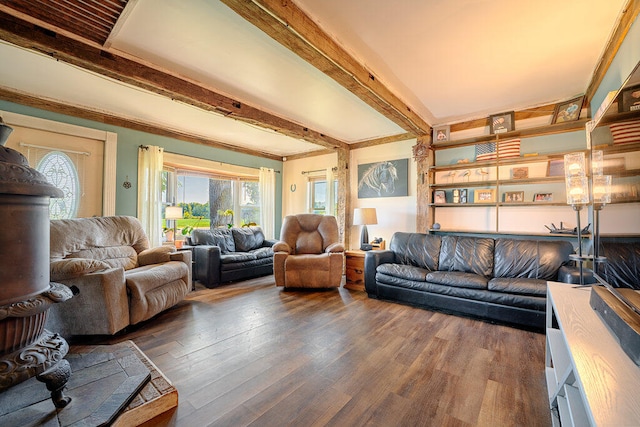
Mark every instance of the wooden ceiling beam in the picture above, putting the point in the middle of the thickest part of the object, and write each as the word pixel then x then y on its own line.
pixel 110 119
pixel 382 140
pixel 290 26
pixel 67 49
pixel 627 18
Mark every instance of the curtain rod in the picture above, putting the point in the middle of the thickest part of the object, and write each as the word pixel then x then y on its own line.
pixel 333 169
pixel 209 160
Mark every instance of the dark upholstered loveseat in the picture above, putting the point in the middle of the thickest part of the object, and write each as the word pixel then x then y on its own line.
pixel 500 279
pixel 621 268
pixel 226 255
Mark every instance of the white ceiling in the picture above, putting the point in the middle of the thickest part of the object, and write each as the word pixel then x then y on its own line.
pixel 449 60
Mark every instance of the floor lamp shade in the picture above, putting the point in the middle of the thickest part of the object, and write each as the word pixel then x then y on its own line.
pixel 364 217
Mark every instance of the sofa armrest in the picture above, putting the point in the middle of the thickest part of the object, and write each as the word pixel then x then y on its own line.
pixel 372 259
pixel 281 247
pixel 99 306
pixel 207 265
pixel 184 256
pixel 571 274
pixel 334 247
pixel 156 255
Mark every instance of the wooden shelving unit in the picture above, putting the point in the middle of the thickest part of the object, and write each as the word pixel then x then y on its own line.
pixel 496 170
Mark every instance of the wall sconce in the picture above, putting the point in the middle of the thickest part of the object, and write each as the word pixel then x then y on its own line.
pixel 364 217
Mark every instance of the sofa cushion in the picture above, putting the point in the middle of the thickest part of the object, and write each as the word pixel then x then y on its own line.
pixel 247 238
pixel 467 255
pixel 408 272
pixel 420 250
pixel 622 268
pixel 458 279
pixel 535 287
pixel 115 256
pixel 532 259
pixel 264 252
pixel 65 269
pixel 221 237
pixel 232 257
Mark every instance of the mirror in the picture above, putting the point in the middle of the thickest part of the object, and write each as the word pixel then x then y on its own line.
pixel 615 133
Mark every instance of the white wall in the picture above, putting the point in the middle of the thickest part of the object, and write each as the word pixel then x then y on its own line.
pixel 394 213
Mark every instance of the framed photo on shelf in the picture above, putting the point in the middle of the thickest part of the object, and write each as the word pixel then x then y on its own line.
pixel 629 100
pixel 456 196
pixel 543 197
pixel 441 133
pixel 484 195
pixel 568 111
pixel 501 123
pixel 439 196
pixel 463 195
pixel 520 173
pixel 513 196
pixel 556 168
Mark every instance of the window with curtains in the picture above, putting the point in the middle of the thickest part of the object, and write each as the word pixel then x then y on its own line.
pixel 219 201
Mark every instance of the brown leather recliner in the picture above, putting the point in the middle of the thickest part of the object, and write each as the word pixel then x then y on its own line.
pixel 308 254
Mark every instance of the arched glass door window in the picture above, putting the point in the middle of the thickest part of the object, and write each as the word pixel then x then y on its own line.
pixel 60 171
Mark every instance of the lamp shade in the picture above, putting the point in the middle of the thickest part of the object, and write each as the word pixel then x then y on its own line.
pixel 602 189
pixel 364 216
pixel 575 176
pixel 173 212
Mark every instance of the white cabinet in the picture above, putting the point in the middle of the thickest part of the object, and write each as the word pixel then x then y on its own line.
pixel 590 380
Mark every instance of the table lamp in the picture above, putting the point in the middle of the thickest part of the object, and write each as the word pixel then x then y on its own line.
pixel 364 217
pixel 173 213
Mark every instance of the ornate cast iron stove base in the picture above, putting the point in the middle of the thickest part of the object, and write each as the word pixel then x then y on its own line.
pixel 38 352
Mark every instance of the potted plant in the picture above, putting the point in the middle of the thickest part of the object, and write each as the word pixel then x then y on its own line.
pixel 227 214
pixel 188 229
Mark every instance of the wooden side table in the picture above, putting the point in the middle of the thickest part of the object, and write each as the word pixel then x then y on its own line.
pixel 354 270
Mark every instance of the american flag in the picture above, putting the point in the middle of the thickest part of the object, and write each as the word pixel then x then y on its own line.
pixel 508 149
pixel 625 132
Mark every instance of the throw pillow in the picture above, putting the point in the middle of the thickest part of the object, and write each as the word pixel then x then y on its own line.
pixel 244 238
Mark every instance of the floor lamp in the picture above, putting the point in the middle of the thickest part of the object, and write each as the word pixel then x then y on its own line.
pixel 364 217
pixel 577 188
pixel 173 213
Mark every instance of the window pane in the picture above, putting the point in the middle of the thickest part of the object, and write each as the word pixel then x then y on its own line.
pixel 60 171
pixel 220 200
pixel 250 203
pixel 319 197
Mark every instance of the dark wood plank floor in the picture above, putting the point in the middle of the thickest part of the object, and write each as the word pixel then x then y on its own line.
pixel 252 354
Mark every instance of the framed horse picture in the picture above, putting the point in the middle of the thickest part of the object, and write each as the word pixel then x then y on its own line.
pixel 389 178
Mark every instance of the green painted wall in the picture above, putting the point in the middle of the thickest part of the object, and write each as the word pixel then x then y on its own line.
pixel 621 67
pixel 127 157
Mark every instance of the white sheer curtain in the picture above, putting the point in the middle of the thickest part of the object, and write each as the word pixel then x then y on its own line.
pixel 331 203
pixel 267 201
pixel 150 192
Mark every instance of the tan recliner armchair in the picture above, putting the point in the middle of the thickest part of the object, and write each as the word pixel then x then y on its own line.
pixel 308 254
pixel 116 278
